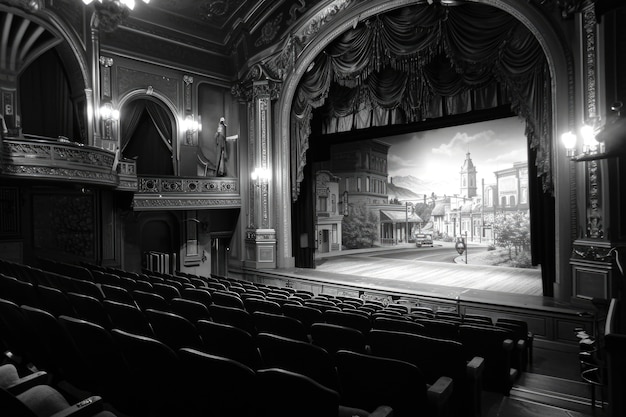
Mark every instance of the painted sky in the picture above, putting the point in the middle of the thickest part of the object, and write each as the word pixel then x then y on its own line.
pixel 436 156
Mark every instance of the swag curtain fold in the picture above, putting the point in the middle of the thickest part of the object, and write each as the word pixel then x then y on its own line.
pixel 426 61
pixel 132 115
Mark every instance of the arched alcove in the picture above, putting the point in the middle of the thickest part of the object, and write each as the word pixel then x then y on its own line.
pixel 148 135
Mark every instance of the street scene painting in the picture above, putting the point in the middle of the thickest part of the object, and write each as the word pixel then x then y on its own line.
pixel 431 161
pixel 464 185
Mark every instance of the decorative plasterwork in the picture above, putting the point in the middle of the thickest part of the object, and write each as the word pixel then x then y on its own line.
pixel 183 203
pixel 593 253
pixel 26 152
pixel 594 215
pixel 64 174
pixel 129 79
pixel 183 185
pixel 246 89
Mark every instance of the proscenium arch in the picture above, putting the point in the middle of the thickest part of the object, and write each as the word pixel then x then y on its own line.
pixel 559 60
pixel 155 96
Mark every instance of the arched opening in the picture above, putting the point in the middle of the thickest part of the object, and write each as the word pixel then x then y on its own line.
pixel 146 131
pixel 348 92
pixel 43 83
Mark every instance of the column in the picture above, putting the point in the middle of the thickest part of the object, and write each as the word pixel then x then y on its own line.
pixel 260 240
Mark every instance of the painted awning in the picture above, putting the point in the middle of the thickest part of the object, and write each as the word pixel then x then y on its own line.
pixel 389 216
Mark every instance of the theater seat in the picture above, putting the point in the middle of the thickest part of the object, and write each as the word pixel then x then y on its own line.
pixel 297 356
pixel 29 396
pixel 283 393
pixel 366 381
pixel 436 358
pixel 215 386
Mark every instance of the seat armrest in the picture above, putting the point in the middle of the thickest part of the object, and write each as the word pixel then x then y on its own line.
pixel 85 408
pixel 382 411
pixel 507 345
pixel 28 381
pixel 439 394
pixel 475 368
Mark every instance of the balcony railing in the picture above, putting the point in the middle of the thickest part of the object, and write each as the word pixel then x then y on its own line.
pixel 187 193
pixel 37 157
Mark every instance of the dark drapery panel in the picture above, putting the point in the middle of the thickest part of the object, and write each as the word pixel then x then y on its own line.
pixel 131 113
pixel 303 219
pixel 426 61
pixel 542 224
pixel 152 155
pixel 45 100
pixel 146 130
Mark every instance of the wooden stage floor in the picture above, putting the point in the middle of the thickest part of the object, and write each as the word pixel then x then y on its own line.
pixel 450 281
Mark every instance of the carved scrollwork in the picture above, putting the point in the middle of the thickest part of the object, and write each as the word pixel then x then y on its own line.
pixel 247 89
pixel 592 253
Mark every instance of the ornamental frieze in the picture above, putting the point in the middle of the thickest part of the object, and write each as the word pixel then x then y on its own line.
pixel 593 253
pixel 32 150
pixel 184 203
pixel 70 153
pixel 83 157
pixel 182 185
pixel 60 173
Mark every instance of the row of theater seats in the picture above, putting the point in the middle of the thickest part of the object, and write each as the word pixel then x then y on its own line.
pixel 239 320
pixel 30 395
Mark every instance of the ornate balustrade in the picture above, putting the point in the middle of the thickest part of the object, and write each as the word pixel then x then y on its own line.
pixel 50 159
pixel 186 193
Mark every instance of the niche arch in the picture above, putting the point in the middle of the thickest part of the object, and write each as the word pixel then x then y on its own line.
pixel 150 133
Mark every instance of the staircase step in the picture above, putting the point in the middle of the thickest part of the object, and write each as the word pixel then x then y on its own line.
pixel 556 392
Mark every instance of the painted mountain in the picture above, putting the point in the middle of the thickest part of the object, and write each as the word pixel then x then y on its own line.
pixel 402 192
pixel 415 187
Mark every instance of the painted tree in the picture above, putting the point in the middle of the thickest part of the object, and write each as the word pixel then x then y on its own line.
pixel 360 228
pixel 512 231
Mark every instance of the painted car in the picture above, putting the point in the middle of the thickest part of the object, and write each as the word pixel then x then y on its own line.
pixel 422 239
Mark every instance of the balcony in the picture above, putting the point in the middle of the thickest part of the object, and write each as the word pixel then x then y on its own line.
pixel 38 158
pixel 186 193
pixel 41 158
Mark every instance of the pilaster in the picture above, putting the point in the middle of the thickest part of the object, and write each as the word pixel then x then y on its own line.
pixel 593 263
pixel 260 239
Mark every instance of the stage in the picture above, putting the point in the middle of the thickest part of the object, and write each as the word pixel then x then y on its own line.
pixel 467 289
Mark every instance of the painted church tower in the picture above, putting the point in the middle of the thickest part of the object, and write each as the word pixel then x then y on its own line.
pixel 468 177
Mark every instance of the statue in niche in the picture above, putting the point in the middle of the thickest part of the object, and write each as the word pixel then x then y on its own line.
pixel 221 153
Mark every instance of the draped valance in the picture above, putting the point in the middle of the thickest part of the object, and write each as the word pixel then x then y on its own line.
pixel 421 62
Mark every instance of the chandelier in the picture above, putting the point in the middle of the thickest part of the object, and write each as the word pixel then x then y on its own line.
pixel 110 13
pixel 130 4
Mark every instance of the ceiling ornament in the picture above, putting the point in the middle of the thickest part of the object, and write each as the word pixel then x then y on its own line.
pixel 269 31
pixel 218 11
pixel 28 5
pixel 214 9
pixel 111 13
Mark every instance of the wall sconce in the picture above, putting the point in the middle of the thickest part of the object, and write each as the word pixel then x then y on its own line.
pixel 107 112
pixel 598 143
pixel 192 125
pixel 260 175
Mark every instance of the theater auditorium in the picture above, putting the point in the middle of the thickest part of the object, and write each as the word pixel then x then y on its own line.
pixel 179 180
